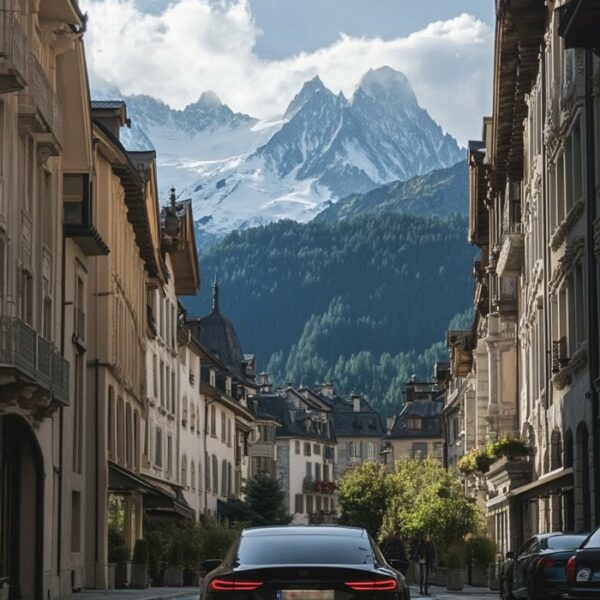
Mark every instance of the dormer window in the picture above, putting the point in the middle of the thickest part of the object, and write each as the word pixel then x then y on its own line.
pixel 413 423
pixel 228 386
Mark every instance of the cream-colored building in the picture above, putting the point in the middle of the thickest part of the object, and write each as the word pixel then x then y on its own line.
pixel 127 217
pixel 46 164
pixel 534 207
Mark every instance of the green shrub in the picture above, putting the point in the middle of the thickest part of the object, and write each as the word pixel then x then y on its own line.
pixel 176 553
pixel 140 552
pixel 216 540
pixel 455 555
pixel 117 549
pixel 481 550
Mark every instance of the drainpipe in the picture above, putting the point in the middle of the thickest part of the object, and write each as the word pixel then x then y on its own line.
pixel 593 349
pixel 61 413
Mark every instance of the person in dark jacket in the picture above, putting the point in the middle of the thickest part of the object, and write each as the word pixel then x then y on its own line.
pixel 425 557
pixel 394 551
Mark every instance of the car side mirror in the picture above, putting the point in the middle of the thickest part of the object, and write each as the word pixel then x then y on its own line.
pixel 211 564
pixel 511 555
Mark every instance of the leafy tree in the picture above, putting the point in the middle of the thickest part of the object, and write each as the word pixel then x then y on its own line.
pixel 266 501
pixel 364 494
pixel 430 498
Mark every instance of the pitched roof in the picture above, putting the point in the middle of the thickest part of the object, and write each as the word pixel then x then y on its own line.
pixel 428 410
pixel 294 422
pixel 350 423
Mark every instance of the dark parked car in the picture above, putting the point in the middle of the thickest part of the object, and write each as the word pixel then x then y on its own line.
pixel 303 563
pixel 583 570
pixel 538 570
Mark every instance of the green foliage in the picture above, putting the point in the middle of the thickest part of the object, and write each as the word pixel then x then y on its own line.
pixel 481 550
pixel 117 549
pixel 479 459
pixel 140 552
pixel 216 540
pixel 364 493
pixel 357 303
pixel 429 498
pixel 455 555
pixel 191 543
pixel 266 500
pixel 176 552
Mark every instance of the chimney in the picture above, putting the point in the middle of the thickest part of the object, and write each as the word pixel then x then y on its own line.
pixel 355 402
pixel 410 390
pixel 265 383
pixel 328 390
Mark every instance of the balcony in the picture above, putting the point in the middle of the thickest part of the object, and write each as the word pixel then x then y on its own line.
pixel 504 301
pixel 30 369
pixel 40 112
pixel 512 252
pixel 78 215
pixel 579 24
pixel 13 53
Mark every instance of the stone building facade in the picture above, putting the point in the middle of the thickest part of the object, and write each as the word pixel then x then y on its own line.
pixel 533 348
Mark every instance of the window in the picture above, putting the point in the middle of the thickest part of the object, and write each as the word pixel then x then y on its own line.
pixel 128 437
pixel 158 448
pixel 306 448
pixel 78 403
pixel 318 503
pixel 297 446
pixel 120 430
pixel 419 450
pixel 229 432
pixel 215 480
pixel 213 420
pixel 299 504
pixel 136 440
pixel 372 450
pixel 317 449
pixel 223 426
pixel 173 393
pixel 309 504
pixel 325 472
pixel 169 454
pixel 193 477
pixel 413 423
pixel 207 472
pixel 224 478
pixel 26 306
pixel 184 481
pixel 309 469
pixel 318 471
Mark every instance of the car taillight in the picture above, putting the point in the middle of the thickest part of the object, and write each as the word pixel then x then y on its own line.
pixel 379 585
pixel 571 570
pixel 545 563
pixel 233 585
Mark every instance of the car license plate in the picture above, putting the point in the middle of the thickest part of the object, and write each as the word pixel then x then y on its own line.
pixel 596 576
pixel 306 595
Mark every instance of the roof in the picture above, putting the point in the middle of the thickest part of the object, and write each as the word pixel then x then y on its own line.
pixel 350 423
pixel 428 410
pixel 304 530
pixel 294 422
pixel 107 104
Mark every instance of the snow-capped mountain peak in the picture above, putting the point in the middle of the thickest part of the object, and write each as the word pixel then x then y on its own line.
pixel 241 172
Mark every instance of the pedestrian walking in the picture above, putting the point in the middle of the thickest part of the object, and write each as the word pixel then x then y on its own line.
pixel 425 557
pixel 394 551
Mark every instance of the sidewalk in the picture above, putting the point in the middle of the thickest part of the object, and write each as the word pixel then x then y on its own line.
pixel 441 593
pixel 147 594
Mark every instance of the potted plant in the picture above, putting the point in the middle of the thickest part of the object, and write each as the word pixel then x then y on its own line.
pixel 192 551
pixel 455 562
pixel 174 572
pixel 481 552
pixel 139 568
pixel 118 555
pixel 440 572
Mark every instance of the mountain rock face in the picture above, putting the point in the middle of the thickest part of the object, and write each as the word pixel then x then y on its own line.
pixel 241 172
pixel 441 192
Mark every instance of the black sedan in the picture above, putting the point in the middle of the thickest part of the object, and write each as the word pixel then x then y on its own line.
pixel 583 570
pixel 303 563
pixel 538 570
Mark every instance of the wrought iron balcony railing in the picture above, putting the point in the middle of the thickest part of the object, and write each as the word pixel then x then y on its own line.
pixel 13 53
pixel 28 359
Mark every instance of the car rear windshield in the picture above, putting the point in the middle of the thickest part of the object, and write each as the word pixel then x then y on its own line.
pixel 305 549
pixel 564 542
pixel 594 541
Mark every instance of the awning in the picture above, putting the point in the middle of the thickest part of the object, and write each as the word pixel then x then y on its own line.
pixel 556 481
pixel 159 499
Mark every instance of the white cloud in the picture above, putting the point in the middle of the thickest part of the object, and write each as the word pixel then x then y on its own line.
pixel 198 45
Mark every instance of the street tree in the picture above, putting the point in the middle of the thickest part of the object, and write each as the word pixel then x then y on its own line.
pixel 265 501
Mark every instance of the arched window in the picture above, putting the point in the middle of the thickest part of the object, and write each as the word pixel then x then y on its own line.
pixel 555 450
pixel 184 471
pixel 568 449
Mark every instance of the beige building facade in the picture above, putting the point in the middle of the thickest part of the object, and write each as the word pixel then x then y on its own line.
pixel 533 347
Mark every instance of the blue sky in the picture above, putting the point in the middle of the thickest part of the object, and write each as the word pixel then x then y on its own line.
pixel 256 54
